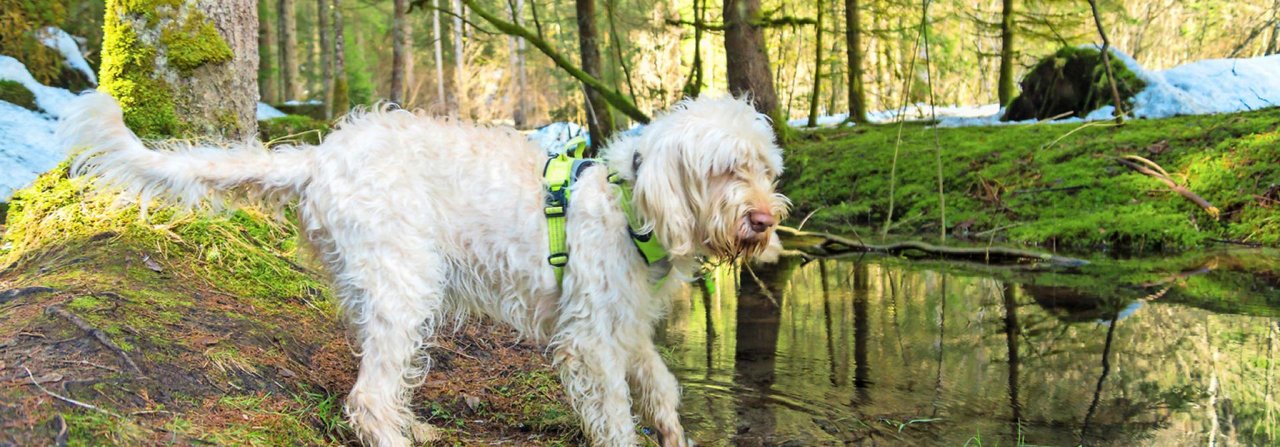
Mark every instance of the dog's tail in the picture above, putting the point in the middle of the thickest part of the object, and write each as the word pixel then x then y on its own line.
pixel 184 173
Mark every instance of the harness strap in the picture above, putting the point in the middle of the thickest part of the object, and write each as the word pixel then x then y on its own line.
pixel 560 172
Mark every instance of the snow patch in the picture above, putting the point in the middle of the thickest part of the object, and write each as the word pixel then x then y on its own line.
pixel 1197 88
pixel 50 99
pixel 552 137
pixel 26 148
pixel 27 144
pixel 266 112
pixel 59 40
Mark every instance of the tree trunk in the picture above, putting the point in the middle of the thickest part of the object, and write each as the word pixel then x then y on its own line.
pixel 268 87
pixel 693 86
pixel 399 52
pixel 183 71
pixel 460 99
pixel 517 45
pixel 599 119
pixel 1005 89
pixel 341 94
pixel 290 88
pixel 817 69
pixel 853 50
pixel 326 56
pixel 746 60
pixel 1273 45
pixel 439 53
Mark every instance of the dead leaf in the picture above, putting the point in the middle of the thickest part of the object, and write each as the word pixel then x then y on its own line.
pixel 50 377
pixel 472 401
pixel 151 263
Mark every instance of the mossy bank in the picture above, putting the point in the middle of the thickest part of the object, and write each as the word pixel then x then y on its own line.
pixel 1058 186
pixel 214 330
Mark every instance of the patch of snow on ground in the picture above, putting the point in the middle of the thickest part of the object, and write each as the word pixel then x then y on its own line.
pixel 49 99
pixel 26 148
pixel 58 39
pixel 975 114
pixel 27 144
pixel 266 112
pixel 552 137
pixel 1196 88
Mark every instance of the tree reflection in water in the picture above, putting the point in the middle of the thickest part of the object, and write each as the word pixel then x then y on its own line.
pixel 839 357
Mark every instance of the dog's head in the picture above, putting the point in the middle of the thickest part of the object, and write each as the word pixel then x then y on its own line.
pixel 704 176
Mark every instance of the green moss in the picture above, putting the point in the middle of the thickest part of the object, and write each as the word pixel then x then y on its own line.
pixel 129 70
pixel 193 43
pixel 13 92
pixel 91 428
pixel 21 20
pixel 1034 184
pixel 292 128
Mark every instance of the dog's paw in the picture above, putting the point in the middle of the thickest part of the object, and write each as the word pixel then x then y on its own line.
pixel 424 433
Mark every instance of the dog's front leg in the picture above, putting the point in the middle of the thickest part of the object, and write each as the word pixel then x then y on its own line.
pixel 658 391
pixel 594 377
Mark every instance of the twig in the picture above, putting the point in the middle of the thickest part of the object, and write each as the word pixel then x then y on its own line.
pixel 95 332
pixel 64 398
pixel 807 216
pixel 763 288
pixel 1195 198
pixel 833 244
pixel 85 362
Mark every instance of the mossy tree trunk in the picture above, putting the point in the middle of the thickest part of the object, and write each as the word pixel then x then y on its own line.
pixel 1005 89
pixel 183 67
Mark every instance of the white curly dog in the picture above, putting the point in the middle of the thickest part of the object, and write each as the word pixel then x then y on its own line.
pixel 421 220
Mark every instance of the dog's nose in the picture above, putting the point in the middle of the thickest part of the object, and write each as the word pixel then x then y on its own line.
pixel 761 221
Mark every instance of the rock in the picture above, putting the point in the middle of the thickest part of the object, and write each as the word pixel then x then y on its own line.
pixel 1070 82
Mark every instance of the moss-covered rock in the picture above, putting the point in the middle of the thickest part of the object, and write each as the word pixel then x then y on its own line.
pixel 292 128
pixel 13 92
pixel 1072 81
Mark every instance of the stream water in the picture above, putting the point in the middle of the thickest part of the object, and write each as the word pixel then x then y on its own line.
pixel 886 352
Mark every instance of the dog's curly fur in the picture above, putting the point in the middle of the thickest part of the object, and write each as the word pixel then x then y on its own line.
pixel 422 219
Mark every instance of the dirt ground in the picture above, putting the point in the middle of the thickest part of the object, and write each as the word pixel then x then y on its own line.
pixel 105 342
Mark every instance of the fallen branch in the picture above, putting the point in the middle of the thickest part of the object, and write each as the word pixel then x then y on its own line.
pixel 835 245
pixel 64 398
pixel 1136 163
pixel 95 332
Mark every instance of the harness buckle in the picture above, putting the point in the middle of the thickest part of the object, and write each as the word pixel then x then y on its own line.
pixel 558 259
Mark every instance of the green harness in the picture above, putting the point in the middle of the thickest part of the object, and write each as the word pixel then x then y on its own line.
pixel 560 172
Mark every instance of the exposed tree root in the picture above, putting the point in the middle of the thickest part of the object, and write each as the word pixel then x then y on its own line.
pixel 95 332
pixel 1154 170
pixel 64 398
pixel 832 245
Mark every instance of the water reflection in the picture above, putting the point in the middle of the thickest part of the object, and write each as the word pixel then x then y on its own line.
pixel 879 353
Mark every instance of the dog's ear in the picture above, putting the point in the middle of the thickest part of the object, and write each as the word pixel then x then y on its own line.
pixel 661 195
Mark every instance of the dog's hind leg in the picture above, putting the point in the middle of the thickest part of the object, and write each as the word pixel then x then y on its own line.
pixel 657 390
pixel 594 376
pixel 400 305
